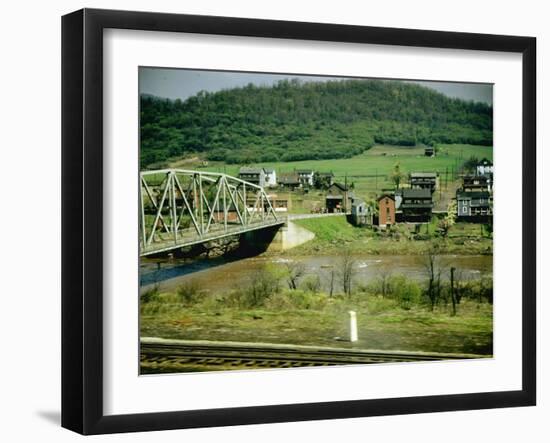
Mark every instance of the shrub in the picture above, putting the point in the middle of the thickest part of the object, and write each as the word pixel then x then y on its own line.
pixel 405 291
pixel 188 292
pixel 264 282
pixel 311 283
pixel 149 295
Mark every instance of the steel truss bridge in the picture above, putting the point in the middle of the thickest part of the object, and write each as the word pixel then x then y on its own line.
pixel 180 208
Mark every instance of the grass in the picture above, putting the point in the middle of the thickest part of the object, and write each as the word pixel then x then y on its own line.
pixel 378 160
pixel 333 233
pixel 382 324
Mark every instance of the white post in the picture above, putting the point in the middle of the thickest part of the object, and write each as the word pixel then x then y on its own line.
pixel 352 326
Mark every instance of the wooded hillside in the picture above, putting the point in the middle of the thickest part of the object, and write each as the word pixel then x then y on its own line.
pixel 296 120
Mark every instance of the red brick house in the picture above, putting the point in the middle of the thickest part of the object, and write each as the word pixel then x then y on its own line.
pixel 386 210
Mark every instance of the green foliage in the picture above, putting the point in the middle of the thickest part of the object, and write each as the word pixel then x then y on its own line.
pixel 406 291
pixel 396 175
pixel 311 283
pixel 447 222
pixel 295 121
pixel 471 164
pixel 263 284
pixel 188 292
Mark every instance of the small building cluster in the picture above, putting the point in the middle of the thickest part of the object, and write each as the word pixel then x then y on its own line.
pixel 300 178
pixel 410 204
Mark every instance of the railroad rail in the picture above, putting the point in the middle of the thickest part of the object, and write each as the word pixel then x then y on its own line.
pixel 164 356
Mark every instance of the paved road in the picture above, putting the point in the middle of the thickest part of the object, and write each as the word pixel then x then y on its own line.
pixel 303 216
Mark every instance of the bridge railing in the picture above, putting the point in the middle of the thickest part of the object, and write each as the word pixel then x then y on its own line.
pixel 180 206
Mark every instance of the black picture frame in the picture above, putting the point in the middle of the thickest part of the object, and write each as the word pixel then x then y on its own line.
pixel 82 218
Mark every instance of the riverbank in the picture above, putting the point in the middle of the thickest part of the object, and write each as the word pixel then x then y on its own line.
pixel 333 234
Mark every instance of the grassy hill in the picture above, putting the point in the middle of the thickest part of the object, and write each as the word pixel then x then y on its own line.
pixel 295 121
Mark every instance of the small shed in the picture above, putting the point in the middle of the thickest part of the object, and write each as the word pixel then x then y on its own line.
pixel 339 198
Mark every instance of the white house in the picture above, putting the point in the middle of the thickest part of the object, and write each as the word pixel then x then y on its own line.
pixel 270 177
pixel 484 167
pixel 305 176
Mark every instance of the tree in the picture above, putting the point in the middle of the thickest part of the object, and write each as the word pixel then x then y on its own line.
pixel 453 294
pixel 446 223
pixel 397 176
pixel 294 270
pixel 347 271
pixel 384 277
pixel 432 268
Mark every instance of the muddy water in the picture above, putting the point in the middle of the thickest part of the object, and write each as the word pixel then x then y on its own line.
pixel 223 274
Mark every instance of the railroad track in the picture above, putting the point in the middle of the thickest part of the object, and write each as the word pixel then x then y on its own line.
pixel 183 356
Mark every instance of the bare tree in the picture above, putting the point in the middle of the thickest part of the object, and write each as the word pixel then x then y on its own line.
pixel 459 286
pixel 384 277
pixel 294 270
pixel 432 269
pixel 453 293
pixel 330 279
pixel 347 271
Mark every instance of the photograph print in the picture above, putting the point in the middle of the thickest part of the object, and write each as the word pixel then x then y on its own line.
pixel 291 221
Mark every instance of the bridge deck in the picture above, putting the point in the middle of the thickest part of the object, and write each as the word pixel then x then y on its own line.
pixel 215 233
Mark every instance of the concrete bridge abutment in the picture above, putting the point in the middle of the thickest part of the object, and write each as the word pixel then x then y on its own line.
pixel 278 239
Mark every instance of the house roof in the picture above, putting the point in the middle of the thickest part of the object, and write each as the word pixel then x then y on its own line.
pixel 485 162
pixel 417 193
pixel 386 196
pixel 250 170
pixel 340 186
pixel 470 178
pixel 288 179
pixel 475 194
pixel 416 205
pixel 304 171
pixel 326 174
pixel 423 174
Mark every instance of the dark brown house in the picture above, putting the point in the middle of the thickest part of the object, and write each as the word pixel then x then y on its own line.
pixel 289 181
pixel 386 210
pixel 423 180
pixel 476 183
pixel 416 205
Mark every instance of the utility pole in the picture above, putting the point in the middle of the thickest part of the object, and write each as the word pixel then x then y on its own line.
pixel 346 192
pixel 453 299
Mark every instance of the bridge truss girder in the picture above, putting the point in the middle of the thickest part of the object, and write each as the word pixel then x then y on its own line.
pixel 178 205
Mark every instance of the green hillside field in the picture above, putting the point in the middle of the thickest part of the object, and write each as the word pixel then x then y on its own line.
pixel 379 160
